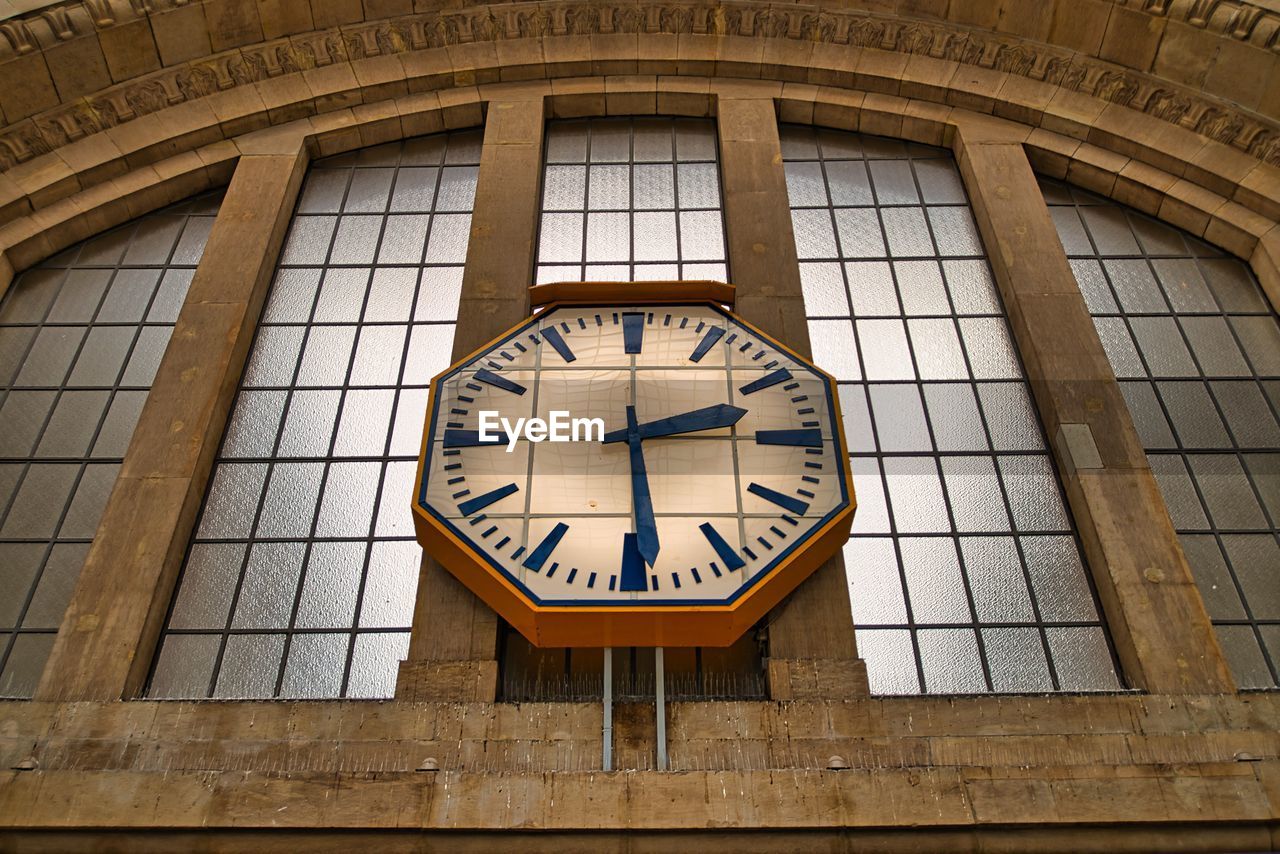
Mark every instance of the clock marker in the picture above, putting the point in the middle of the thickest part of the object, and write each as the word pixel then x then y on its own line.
pixel 786 502
pixel 480 502
pixel 633 574
pixel 793 438
pixel 553 337
pixel 539 555
pixel 466 439
pixel 632 331
pixel 708 341
pixel 488 377
pixel 723 550
pixel 779 376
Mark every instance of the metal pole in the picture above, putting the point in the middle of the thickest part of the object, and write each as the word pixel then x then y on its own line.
pixel 660 704
pixel 608 708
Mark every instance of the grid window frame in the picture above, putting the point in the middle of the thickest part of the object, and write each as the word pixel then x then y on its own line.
pixel 357 305
pixel 694 145
pixel 115 299
pixel 881 184
pixel 1179 401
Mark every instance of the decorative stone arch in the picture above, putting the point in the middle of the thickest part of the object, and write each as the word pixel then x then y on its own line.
pixel 1198 184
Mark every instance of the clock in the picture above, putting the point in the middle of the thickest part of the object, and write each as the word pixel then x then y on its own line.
pixel 663 474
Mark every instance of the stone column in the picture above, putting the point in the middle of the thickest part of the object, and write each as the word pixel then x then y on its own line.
pixel 454 645
pixel 112 624
pixel 1162 634
pixel 812 653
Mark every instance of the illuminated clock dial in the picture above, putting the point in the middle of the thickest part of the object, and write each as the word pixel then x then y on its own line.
pixel 700 459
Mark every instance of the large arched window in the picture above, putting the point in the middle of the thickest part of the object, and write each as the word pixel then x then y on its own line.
pixel 302 573
pixel 965 571
pixel 1196 348
pixel 81 336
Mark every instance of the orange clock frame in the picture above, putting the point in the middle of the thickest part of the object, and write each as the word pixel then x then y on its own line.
pixel 633 625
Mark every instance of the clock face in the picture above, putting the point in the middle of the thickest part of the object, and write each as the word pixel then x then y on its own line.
pixel 701 458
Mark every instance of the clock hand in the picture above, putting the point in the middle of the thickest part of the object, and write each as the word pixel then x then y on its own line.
pixel 641 499
pixel 708 418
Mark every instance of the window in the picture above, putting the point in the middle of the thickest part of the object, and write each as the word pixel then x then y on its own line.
pixel 302 573
pixel 631 199
pixel 81 336
pixel 965 571
pixel 1196 348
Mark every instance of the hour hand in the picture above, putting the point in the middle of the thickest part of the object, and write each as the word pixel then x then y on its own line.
pixel 708 418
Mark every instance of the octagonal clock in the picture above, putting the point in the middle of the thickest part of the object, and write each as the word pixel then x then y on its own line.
pixel 638 474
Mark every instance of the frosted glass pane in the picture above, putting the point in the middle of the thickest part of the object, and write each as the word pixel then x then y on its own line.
pixel 207 587
pixel 995 577
pixel 609 188
pixel 890 662
pixel 701 236
pixel 814 233
pixel 564 188
pixel 860 234
pixel 315 665
pixel 823 289
pixel 1017 660
pixel 884 350
pixel 953 411
pixel 375 664
pixel 900 419
pixel 805 184
pixel 331 585
pixel 875 587
pixel 932 569
pixel 1057 574
pixel 972 486
pixel 951 661
pixel 270 582
pixel 341 296
pixel 915 494
pixel 936 345
pixel 1081 658
pixel 834 349
pixel 391 585
pixel 250 665
pixel 906 232
pixel 871 289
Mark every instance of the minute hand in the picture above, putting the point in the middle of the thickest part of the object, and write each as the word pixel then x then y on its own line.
pixel 708 418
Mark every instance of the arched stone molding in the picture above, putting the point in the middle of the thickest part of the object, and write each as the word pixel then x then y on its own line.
pixel 1201 191
pixel 64 51
pixel 155 114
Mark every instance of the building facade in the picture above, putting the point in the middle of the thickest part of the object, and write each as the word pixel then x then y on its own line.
pixel 1034 244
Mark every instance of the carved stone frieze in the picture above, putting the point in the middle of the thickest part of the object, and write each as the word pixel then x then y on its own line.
pixel 199 78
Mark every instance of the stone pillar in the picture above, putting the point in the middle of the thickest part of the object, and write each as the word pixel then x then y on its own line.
pixel 112 624
pixel 1162 634
pixel 812 652
pixel 454 645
